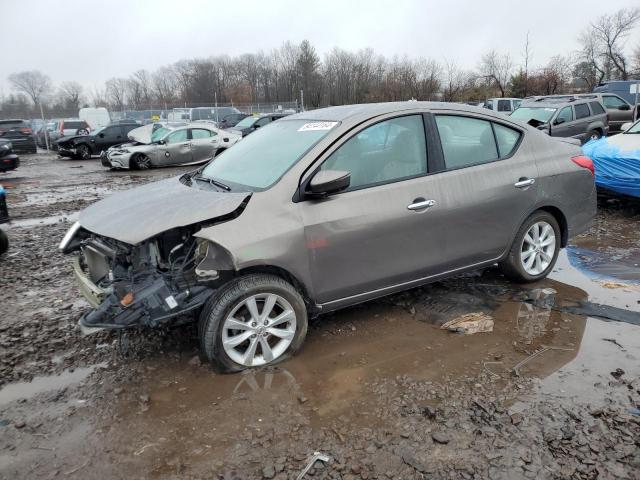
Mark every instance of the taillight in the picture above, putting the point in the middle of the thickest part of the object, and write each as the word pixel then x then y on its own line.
pixel 584 162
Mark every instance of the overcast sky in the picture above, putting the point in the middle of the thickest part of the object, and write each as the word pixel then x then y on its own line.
pixel 90 41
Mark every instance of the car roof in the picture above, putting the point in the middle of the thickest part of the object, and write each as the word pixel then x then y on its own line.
pixel 557 101
pixel 367 110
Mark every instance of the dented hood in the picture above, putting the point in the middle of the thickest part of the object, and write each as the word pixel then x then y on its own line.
pixel 135 215
pixel 141 134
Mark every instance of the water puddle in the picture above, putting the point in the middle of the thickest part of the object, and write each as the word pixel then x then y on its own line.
pixel 26 390
pixel 43 221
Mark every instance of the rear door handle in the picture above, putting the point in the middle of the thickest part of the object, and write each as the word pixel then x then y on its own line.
pixel 421 204
pixel 525 182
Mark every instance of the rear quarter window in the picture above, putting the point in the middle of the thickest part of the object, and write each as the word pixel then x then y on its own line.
pixel 507 139
pixel 596 108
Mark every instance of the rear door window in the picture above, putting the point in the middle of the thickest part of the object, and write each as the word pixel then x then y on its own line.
pixel 199 133
pixel 582 110
pixel 466 141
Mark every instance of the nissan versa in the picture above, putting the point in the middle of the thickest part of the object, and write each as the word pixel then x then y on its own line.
pixel 326 209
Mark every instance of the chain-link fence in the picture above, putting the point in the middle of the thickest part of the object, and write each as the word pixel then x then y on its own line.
pixel 175 112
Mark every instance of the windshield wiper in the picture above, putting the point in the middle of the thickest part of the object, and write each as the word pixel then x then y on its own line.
pixel 212 181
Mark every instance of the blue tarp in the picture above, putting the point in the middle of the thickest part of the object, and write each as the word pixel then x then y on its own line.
pixel 616 170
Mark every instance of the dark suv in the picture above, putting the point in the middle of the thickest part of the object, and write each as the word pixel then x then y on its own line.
pixel 20 134
pixel 84 146
pixel 565 116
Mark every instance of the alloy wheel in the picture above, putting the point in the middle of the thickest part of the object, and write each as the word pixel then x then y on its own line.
pixel 538 248
pixel 259 329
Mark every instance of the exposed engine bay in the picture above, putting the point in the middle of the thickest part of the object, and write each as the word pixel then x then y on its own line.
pixel 146 284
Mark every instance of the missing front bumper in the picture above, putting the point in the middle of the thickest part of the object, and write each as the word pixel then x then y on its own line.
pixel 154 303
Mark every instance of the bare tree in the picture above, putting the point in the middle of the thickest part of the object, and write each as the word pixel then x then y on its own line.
pixel 497 69
pixel 145 85
pixel 71 94
pixel 33 83
pixel 604 42
pixel 116 91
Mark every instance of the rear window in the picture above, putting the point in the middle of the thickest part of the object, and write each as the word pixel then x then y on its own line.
pixel 596 108
pixel 77 124
pixel 12 123
pixel 582 110
pixel 504 105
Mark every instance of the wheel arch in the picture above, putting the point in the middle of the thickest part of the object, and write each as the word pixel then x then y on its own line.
pixel 560 218
pixel 285 275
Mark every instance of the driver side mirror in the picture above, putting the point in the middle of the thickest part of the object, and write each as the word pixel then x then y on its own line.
pixel 328 182
pixel 162 142
pixel 559 120
pixel 101 135
pixel 624 107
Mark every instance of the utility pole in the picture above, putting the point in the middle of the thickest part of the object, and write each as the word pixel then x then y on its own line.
pixel 301 100
pixel 215 99
pixel 44 125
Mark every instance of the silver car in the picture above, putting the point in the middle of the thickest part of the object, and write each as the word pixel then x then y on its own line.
pixel 159 145
pixel 326 209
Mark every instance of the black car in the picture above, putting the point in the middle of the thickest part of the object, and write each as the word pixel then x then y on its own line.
pixel 4 218
pixel 250 124
pixel 232 120
pixel 8 159
pixel 84 146
pixel 20 134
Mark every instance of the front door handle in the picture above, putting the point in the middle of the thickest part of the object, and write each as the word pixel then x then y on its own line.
pixel 524 182
pixel 186 144
pixel 421 204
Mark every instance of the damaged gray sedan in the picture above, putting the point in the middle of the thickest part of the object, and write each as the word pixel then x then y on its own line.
pixel 161 145
pixel 323 210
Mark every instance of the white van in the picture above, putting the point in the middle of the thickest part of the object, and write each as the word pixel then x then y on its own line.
pixel 503 105
pixel 95 117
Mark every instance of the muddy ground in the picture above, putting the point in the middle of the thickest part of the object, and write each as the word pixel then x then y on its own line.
pixel 379 388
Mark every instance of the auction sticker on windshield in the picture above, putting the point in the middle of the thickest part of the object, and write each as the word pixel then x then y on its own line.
pixel 314 126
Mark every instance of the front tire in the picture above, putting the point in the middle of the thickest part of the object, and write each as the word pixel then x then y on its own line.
pixel 83 152
pixel 252 321
pixel 140 162
pixel 535 249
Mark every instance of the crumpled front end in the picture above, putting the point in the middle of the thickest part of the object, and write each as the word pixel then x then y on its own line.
pixel 147 284
pixel 117 157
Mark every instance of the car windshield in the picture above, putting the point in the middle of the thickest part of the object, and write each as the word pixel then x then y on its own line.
pixel 542 114
pixel 259 160
pixel 635 128
pixel 159 134
pixel 246 122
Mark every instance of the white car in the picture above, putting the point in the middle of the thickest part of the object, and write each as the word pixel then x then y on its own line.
pixel 159 145
pixel 502 105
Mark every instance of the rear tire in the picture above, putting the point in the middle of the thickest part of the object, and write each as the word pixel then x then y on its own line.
pixel 594 135
pixel 230 304
pixel 534 250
